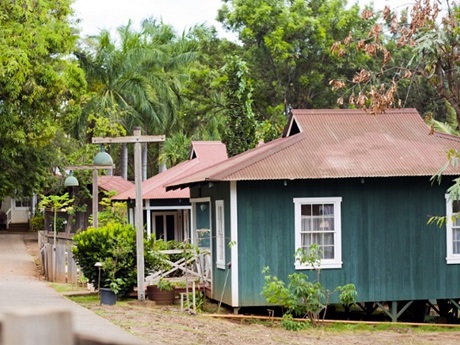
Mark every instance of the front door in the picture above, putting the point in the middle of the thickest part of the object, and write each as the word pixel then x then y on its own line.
pixel 201 237
pixel 165 226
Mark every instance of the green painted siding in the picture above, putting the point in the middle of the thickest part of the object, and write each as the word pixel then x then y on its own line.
pixel 388 250
pixel 218 191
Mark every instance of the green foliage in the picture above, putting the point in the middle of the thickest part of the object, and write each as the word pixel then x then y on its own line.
pixel 38 221
pixel 240 129
pixel 113 212
pixel 302 297
pixel 175 149
pixel 40 89
pixel 199 301
pixel 286 45
pixel 290 324
pixel 165 285
pixel 57 203
pixel 348 295
pixel 115 246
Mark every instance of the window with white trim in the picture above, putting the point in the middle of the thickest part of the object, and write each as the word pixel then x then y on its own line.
pixel 318 221
pixel 220 234
pixel 453 230
pixel 22 202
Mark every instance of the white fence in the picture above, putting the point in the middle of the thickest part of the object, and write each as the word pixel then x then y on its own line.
pixel 56 259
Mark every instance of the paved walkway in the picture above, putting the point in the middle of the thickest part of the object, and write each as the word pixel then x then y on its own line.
pixel 19 289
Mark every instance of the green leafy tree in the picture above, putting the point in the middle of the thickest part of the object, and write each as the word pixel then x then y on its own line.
pixel 56 203
pixel 40 88
pixel 202 113
pixel 239 132
pixel 287 47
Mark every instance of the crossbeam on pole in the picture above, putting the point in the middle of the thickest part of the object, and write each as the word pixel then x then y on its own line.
pixel 137 139
pixel 128 139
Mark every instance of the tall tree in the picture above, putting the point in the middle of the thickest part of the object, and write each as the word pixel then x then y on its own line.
pixel 40 86
pixel 135 80
pixel 429 37
pixel 287 47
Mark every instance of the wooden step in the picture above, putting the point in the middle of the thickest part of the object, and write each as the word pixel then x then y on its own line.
pixel 18 227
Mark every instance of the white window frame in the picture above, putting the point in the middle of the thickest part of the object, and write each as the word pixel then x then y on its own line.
pixel 220 234
pixel 22 201
pixel 336 262
pixel 451 258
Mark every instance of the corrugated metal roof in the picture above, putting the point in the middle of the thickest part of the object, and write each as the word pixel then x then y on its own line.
pixel 114 183
pixel 340 144
pixel 203 154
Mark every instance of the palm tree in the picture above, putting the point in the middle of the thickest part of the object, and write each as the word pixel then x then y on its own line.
pixel 135 80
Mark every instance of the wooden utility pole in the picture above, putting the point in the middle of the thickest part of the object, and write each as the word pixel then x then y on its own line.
pixel 137 139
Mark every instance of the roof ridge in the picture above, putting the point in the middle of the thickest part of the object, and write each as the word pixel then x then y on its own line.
pixel 268 148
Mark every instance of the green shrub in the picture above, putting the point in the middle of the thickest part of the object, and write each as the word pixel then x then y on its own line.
pixel 300 296
pixel 38 222
pixel 114 245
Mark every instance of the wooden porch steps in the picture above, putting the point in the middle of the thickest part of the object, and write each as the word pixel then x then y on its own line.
pixel 17 227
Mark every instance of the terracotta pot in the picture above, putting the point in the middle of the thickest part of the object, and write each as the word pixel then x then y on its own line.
pixel 161 297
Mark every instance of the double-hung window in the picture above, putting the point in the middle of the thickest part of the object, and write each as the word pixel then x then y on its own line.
pixel 318 221
pixel 453 230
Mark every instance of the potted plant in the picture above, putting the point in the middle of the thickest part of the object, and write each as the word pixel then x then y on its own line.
pixel 162 292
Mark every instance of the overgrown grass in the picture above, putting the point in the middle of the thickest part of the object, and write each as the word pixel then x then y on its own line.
pixel 85 299
pixel 62 287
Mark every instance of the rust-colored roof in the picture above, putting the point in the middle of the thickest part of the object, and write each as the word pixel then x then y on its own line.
pixel 203 155
pixel 339 144
pixel 114 183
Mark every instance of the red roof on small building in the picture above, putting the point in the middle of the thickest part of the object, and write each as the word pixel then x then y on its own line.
pixel 339 143
pixel 114 183
pixel 203 154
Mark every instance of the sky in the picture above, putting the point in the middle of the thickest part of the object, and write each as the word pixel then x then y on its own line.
pixel 181 14
pixel 109 14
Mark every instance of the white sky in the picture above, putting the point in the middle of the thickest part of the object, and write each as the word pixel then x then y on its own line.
pixel 181 14
pixel 110 14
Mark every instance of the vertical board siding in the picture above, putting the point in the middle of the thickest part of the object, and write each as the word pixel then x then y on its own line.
pixel 388 250
pixel 218 191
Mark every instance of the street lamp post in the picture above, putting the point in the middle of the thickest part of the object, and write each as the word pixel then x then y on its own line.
pixel 137 139
pixel 71 181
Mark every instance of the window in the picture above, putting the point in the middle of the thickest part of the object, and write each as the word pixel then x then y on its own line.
pixel 220 235
pixel 318 221
pixel 453 231
pixel 22 203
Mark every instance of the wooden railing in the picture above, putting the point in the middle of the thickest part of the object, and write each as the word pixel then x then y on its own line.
pixel 196 268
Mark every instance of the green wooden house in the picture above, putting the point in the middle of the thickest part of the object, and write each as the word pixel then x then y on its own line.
pixel 356 184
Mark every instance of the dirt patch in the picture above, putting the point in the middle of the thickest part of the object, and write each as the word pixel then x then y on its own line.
pixel 170 326
pixel 31 243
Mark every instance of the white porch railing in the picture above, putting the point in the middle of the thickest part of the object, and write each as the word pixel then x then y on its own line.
pixel 197 268
pixel 8 218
